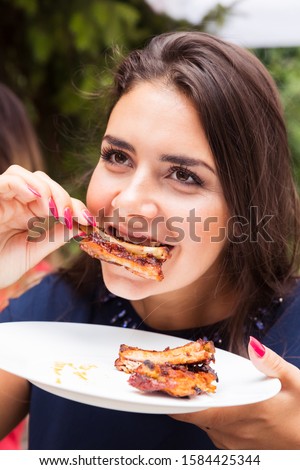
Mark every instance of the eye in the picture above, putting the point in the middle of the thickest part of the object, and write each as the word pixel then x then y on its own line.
pixel 185 176
pixel 114 157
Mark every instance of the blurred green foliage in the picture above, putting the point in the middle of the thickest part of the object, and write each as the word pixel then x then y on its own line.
pixel 57 56
pixel 284 65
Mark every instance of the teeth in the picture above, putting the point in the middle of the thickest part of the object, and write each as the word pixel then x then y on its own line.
pixel 115 233
pixel 155 244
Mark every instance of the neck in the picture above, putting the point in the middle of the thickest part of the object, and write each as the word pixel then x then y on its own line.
pixel 189 307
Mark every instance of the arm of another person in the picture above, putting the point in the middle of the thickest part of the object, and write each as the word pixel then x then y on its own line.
pixel 14 401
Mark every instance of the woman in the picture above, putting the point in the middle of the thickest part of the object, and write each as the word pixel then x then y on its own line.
pixel 194 155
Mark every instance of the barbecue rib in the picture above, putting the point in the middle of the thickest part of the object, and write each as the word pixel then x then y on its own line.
pixel 177 381
pixel 195 352
pixel 144 261
pixel 181 372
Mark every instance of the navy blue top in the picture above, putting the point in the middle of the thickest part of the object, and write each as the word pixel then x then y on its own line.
pixel 59 423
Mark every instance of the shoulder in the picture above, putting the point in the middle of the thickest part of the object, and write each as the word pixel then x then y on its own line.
pixel 52 299
pixel 283 337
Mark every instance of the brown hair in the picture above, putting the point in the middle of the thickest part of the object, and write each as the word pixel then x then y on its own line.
pixel 18 142
pixel 240 111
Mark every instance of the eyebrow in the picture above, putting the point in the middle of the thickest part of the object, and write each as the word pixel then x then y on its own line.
pixel 175 159
pixel 186 161
pixel 119 143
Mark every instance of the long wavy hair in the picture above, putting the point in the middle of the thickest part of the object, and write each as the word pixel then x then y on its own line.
pixel 241 113
pixel 18 141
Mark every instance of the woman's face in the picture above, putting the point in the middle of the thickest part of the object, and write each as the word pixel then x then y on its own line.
pixel 157 180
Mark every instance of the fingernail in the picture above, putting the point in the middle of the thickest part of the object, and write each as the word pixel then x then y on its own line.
pixel 53 208
pixel 68 218
pixel 257 347
pixel 79 236
pixel 89 218
pixel 34 191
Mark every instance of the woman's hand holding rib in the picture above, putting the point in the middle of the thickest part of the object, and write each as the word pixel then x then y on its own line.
pixel 27 200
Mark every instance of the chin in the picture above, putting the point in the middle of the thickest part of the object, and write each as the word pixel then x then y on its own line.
pixel 127 285
pixel 123 283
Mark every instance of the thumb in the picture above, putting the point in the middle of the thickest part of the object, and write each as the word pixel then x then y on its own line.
pixel 270 363
pixel 50 241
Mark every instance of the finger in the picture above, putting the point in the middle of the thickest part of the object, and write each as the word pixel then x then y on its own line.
pixel 81 213
pixel 48 241
pixel 28 177
pixel 52 198
pixel 57 199
pixel 16 187
pixel 63 207
pixel 36 188
pixel 18 260
pixel 208 419
pixel 48 197
pixel 223 417
pixel 39 245
pixel 273 365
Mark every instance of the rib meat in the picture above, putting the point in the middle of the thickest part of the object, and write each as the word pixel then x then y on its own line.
pixel 195 352
pixel 180 372
pixel 176 381
pixel 144 261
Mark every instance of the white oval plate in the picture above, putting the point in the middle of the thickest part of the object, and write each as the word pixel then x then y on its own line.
pixel 76 361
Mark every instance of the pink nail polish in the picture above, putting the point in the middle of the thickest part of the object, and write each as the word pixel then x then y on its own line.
pixel 79 236
pixel 53 208
pixel 257 347
pixel 34 191
pixel 68 218
pixel 89 218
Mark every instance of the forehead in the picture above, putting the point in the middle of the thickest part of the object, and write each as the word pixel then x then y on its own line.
pixel 157 111
pixel 155 97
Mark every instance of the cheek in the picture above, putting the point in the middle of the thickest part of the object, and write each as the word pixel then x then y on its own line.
pixel 214 229
pixel 208 225
pixel 99 193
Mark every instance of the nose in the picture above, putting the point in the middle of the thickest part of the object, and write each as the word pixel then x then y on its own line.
pixel 137 198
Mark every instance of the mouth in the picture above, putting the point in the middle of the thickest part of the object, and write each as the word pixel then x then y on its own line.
pixel 136 238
